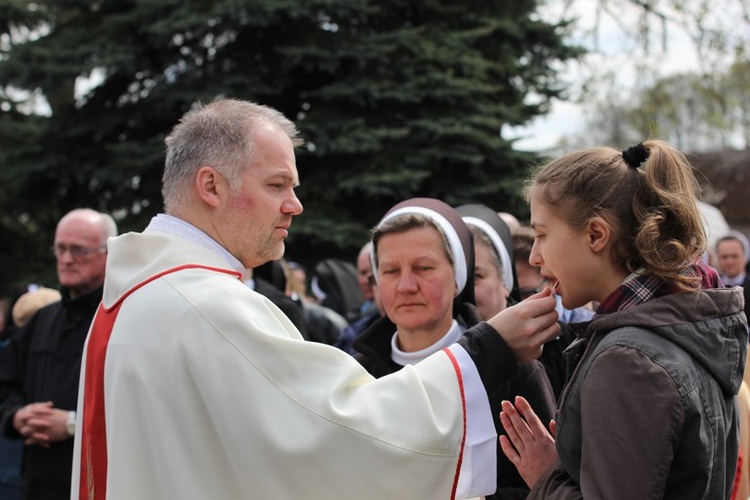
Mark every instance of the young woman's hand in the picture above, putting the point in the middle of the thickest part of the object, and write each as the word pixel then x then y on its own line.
pixel 528 444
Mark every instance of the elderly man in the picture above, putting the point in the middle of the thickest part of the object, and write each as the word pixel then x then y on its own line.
pixel 197 387
pixel 41 365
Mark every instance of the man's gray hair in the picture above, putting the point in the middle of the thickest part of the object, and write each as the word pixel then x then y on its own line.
pixel 218 134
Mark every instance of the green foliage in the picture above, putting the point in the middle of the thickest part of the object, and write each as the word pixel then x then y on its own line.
pixel 394 98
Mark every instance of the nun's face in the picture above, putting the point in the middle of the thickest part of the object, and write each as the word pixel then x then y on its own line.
pixel 489 288
pixel 417 281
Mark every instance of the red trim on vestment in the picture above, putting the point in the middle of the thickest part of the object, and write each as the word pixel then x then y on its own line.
pixel 173 270
pixel 737 477
pixel 463 406
pixel 93 473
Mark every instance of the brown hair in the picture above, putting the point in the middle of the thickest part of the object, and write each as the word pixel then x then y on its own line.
pixel 652 207
pixel 523 241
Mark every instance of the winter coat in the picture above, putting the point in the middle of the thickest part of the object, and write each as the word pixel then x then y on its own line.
pixel 649 410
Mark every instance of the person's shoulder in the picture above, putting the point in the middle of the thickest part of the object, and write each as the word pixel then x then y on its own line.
pixel 207 290
pixel 638 345
pixel 225 305
pixel 43 316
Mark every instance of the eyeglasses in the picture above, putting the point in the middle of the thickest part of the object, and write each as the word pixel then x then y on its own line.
pixel 75 251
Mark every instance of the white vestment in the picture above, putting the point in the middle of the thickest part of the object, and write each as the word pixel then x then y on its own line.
pixel 207 391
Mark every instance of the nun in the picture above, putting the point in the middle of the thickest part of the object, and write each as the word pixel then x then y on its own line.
pixel 423 264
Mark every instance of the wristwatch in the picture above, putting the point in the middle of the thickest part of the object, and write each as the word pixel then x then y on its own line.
pixel 70 425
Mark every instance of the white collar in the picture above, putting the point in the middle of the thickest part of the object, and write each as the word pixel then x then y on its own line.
pixel 169 224
pixel 738 280
pixel 409 358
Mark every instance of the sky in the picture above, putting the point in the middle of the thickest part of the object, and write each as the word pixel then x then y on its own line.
pixel 611 47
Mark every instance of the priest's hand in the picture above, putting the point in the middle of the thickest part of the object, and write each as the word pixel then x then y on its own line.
pixel 527 326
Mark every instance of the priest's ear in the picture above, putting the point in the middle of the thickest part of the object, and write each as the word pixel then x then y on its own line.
pixel 211 186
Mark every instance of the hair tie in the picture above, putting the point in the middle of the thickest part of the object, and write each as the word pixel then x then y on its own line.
pixel 635 155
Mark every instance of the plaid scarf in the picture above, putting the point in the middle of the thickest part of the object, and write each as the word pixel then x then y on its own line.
pixel 638 287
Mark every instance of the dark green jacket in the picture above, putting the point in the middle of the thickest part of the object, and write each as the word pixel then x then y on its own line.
pixel 650 409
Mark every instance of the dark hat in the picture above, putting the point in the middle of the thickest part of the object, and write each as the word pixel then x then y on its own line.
pixel 458 235
pixel 490 223
pixel 337 280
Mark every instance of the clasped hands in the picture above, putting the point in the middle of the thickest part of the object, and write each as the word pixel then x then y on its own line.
pixel 41 424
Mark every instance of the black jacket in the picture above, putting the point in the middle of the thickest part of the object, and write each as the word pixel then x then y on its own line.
pixel 42 362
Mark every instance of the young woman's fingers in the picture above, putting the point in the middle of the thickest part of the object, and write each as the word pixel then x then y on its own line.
pixel 510 451
pixel 535 425
pixel 515 427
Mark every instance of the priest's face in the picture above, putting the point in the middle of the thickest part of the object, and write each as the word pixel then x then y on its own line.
pixel 259 210
pixel 416 281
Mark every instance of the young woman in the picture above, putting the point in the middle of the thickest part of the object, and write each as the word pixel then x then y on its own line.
pixel 423 261
pixel 649 411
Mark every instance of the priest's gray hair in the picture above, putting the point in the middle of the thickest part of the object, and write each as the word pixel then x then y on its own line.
pixel 220 135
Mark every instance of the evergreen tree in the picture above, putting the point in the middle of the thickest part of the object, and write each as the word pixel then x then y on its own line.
pixel 395 98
